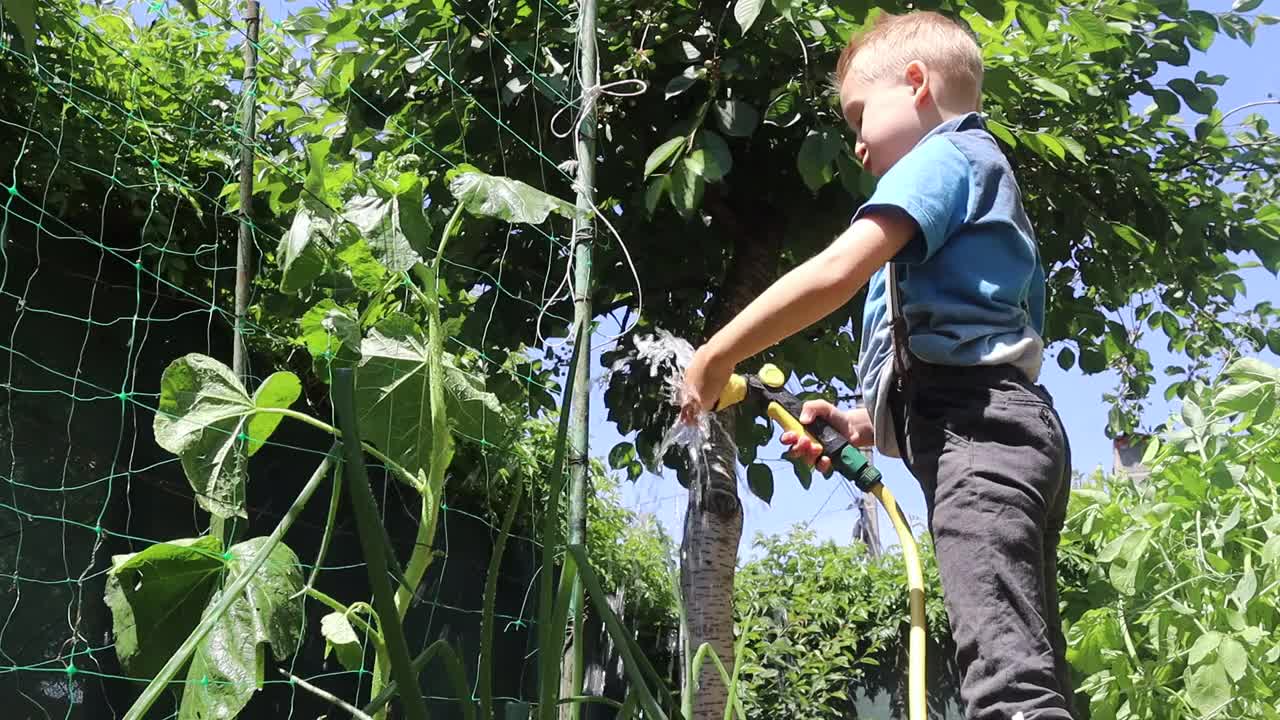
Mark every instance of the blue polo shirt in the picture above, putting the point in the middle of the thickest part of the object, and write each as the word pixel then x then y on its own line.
pixel 971 283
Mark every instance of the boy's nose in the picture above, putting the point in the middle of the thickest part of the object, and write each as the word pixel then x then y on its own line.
pixel 860 152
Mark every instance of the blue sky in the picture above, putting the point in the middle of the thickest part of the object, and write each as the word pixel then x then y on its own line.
pixel 827 506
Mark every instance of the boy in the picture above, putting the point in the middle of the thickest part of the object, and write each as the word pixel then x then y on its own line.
pixel 951 350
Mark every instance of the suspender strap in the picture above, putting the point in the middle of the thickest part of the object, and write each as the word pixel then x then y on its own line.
pixel 898 325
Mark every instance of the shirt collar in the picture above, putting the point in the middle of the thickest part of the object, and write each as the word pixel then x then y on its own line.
pixel 968 121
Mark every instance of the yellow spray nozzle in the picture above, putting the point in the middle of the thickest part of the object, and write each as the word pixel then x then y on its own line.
pixel 733 393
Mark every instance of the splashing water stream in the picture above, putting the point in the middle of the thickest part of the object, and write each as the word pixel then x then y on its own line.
pixel 667 356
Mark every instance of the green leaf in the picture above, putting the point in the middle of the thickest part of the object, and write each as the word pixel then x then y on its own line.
pixel 1205 78
pixel 1253 369
pixel 1124 566
pixel 678 84
pixel 279 390
pixel 384 224
pixel 356 259
pixel 1132 237
pixel 760 480
pixel 341 639
pixel 156 599
pixel 746 12
pixel 202 414
pixel 1244 6
pixel 1269 20
pixel 1245 590
pixel 1207 687
pixel 228 665
pixel 737 118
pixel 392 400
pixel 1200 99
pixel 1066 358
pixel 653 192
pixel 485 195
pixel 622 455
pixel 23 14
pixel 1052 144
pixel 1075 149
pixel 1052 88
pixel 719 159
pixel 662 154
pixel 1002 132
pixel 1167 101
pixel 1090 639
pixel 304 251
pixel 686 190
pixel 1192 415
pixel 1204 28
pixel 1204 645
pixel 1030 19
pixel 850 174
pixel 1271 551
pixel 1092 360
pixel 1234 658
pixel 1092 31
pixel 317 164
pixel 331 333
pixel 816 154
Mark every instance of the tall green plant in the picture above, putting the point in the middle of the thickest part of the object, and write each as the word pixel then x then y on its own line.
pixel 1177 611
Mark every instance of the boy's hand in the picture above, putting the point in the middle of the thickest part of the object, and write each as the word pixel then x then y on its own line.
pixel 854 424
pixel 704 380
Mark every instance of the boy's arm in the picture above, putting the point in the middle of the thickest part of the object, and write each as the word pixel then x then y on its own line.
pixel 798 299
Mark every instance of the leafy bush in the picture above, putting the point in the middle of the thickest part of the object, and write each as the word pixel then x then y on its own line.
pixel 1173 580
pixel 822 619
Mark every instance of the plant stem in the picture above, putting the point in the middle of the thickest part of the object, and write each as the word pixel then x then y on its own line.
pixel 453 666
pixel 485 663
pixel 231 593
pixel 395 467
pixel 368 527
pixel 335 497
pixel 326 695
pixel 580 401
pixel 548 662
pixel 337 606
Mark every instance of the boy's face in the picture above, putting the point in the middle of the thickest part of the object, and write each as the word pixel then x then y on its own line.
pixel 885 115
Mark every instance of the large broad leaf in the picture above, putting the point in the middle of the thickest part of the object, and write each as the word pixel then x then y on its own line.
pixel 661 154
pixel 746 12
pixel 387 224
pixel 1208 688
pixel 331 333
pixel 505 199
pixel 393 402
pixel 206 418
pixel 341 639
pixel 817 152
pixel 737 118
pixel 157 597
pixel 1200 99
pixel 760 480
pixel 228 665
pixel 304 251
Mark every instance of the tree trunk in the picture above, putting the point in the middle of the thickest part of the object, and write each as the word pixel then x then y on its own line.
pixel 713 522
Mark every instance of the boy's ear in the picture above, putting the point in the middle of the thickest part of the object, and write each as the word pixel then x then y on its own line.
pixel 918 78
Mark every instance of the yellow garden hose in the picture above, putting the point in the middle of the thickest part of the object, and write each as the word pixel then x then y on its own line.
pixel 767 396
pixel 917 701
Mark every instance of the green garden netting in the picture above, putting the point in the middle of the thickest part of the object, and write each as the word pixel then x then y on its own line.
pixel 117 257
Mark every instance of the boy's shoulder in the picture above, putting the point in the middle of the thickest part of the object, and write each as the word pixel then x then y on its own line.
pixel 968 135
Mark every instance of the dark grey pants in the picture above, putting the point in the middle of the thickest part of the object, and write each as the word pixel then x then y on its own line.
pixel 991 455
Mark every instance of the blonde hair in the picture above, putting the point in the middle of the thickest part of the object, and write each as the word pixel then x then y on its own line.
pixel 942 44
